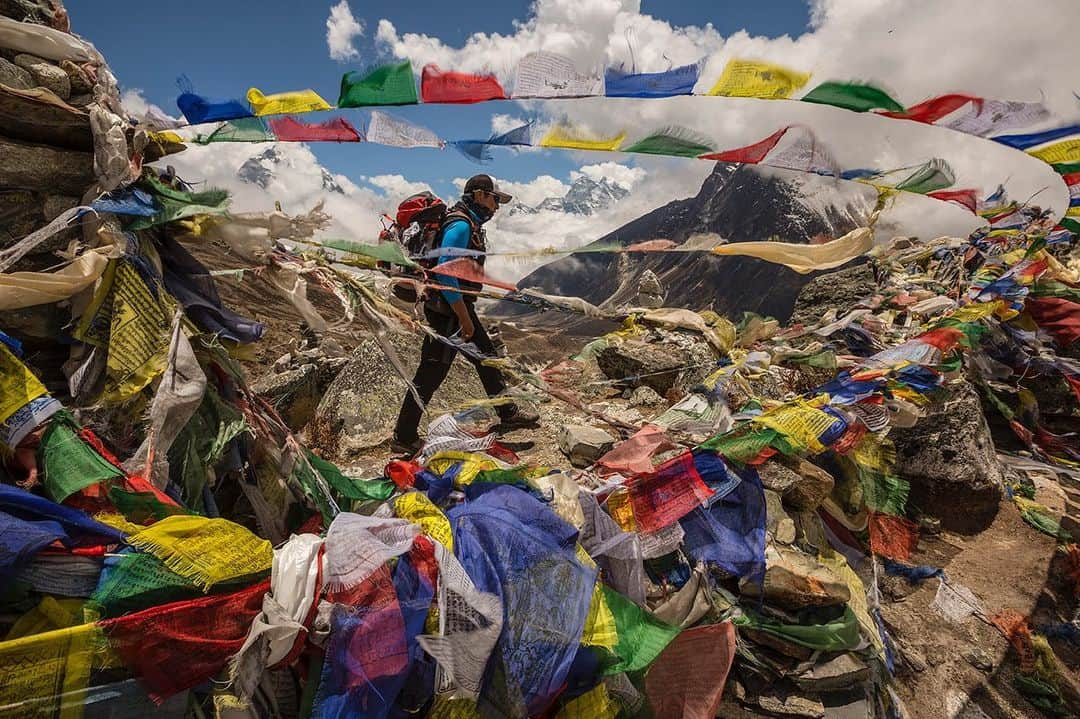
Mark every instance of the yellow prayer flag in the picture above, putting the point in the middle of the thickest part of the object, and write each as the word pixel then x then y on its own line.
pixel 805 258
pixel 976 311
pixel 472 465
pixel 1073 212
pixel 46 674
pixel 1066 151
pixel 166 137
pixel 565 137
pixel 418 509
pixel 599 622
pixel 621 510
pixel 751 78
pixel 593 704
pixel 18 385
pixel 286 103
pixel 800 424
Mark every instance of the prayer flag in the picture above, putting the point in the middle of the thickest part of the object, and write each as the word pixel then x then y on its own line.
pixel 437 86
pixel 1026 142
pixel 386 129
pixel 338 129
pixel 68 463
pixel 934 109
pixel 805 258
pixel 674 141
pixel 965 198
pixel 385 85
pixel 1060 152
pixel 284 103
pixel 985 117
pixel 687 680
pixel 198 109
pixel 546 74
pixel 677 81
pixel 852 96
pixel 751 78
pixel 751 154
pixel 565 137
pixel 934 175
pixel 247 129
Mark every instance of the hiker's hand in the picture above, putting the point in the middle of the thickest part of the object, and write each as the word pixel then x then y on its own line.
pixel 464 320
pixel 467 329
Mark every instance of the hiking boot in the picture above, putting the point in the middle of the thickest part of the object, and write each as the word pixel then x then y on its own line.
pixel 513 416
pixel 406 449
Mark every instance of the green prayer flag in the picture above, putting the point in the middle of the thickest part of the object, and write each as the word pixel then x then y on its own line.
pixel 852 96
pixel 934 175
pixel 141 507
pixel 674 142
pixel 641 635
pixel 386 85
pixel 178 204
pixel 883 492
pixel 245 129
pixel 68 463
pixel 742 447
pixel 1066 168
pixel 391 252
pixel 202 443
pixel 838 635
pixel 138 581
pixel 1070 224
pixel 355 489
pixel 1045 524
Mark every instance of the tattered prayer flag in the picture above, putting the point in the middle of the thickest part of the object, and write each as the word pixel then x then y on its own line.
pixel 46 674
pixel 677 81
pixel 418 509
pixel 673 141
pixel 852 96
pixel 565 137
pixel 641 636
pixel 391 252
pixel 801 150
pixel 68 463
pixel 546 74
pixel 967 199
pixel 667 494
pixel 986 117
pixel 933 109
pixel 18 385
pixel 286 103
pixel 1026 142
pixel 892 537
pixel 289 129
pixel 1060 152
pixel 805 258
pixel 386 85
pixel 386 129
pixel 751 154
pixel 466 268
pixel 198 109
pixel 750 78
pixel 687 680
pixel 247 129
pixel 437 86
pixel 934 175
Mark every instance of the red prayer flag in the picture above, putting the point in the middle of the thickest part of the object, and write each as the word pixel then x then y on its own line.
pixel 687 680
pixel 751 154
pixel 966 198
pixel 944 338
pixel 934 109
pixel 458 87
pixel 1072 179
pixel 667 494
pixel 892 537
pixel 468 269
pixel 289 129
pixel 180 645
pixel 1058 316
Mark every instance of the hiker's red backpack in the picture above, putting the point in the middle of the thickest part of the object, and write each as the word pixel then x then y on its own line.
pixel 416 227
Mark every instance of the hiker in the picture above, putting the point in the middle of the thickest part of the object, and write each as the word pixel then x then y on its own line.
pixel 450 312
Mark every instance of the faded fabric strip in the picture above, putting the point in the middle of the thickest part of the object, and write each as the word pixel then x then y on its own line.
pixel 687 680
pixel 546 74
pixel 206 551
pixel 357 545
pixel 179 646
pixel 805 258
pixel 28 289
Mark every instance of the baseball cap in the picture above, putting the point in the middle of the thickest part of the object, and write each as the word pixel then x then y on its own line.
pixel 485 183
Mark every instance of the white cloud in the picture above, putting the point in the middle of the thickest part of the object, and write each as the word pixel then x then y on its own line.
pixel 137 106
pixel 341 28
pixel 396 185
pixel 621 175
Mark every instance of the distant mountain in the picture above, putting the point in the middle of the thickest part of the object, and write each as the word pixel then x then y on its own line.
pixel 740 204
pixel 263 168
pixel 585 197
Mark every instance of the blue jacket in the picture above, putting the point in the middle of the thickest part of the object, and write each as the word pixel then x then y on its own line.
pixel 456 234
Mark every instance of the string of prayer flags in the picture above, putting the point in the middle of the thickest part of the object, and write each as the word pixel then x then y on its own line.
pixel 385 85
pixel 565 137
pixel 750 154
pixel 677 81
pixel 439 86
pixel 852 96
pixel 285 103
pixel 468 269
pixel 805 258
pixel 385 129
pixel 672 141
pixel 338 129
pixel 752 78
pixel 546 75
pixel 1032 140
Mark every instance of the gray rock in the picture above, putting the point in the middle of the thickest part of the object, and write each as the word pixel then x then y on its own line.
pixel 645 397
pixel 359 408
pixel 20 214
pixel 791 705
pixel 841 290
pixel 294 394
pixel 795 581
pixel 46 75
pixel 14 76
pixel 81 84
pixel 980 659
pixel 584 444
pixel 55 205
pixel 777 523
pixel 45 169
pixel 842 672
pixel 949 459
pixel 802 484
pixel 640 364
pixel 650 291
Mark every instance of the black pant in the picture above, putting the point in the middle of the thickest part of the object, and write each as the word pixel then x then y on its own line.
pixel 435 361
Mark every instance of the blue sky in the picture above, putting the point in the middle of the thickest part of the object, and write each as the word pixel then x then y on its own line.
pixel 277 45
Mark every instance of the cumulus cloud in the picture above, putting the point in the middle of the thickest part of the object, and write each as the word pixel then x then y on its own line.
pixel 341 29
pixel 622 175
pixel 396 185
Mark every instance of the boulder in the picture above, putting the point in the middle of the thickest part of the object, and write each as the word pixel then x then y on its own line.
pixel 650 291
pixel 81 83
pixel 950 460
pixel 844 671
pixel 802 484
pixel 14 76
pixel 794 581
pixel 841 290
pixel 645 397
pixel 777 523
pixel 46 75
pixel 584 444
pixel 360 406
pixel 45 169
pixel 293 393
pixel 639 364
